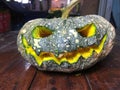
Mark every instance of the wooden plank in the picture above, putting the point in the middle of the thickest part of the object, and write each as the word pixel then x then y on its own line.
pixel 15 72
pixel 17 76
pixel 7 38
pixel 8 34
pixel 105 80
pixel 59 81
pixel 106 74
pixel 6 56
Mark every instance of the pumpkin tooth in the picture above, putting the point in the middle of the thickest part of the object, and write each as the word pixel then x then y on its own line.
pixel 86 52
pixel 60 56
pixel 70 57
pixel 87 31
pixel 99 48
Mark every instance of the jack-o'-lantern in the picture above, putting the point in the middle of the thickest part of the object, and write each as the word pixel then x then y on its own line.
pixel 66 44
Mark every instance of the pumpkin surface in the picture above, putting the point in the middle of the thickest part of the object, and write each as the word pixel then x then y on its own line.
pixel 66 45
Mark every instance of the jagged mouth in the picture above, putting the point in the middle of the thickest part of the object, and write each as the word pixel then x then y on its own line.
pixel 70 57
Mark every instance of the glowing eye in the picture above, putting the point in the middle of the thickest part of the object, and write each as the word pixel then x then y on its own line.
pixel 41 32
pixel 87 31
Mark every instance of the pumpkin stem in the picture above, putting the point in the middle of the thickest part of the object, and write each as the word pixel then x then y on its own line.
pixel 67 9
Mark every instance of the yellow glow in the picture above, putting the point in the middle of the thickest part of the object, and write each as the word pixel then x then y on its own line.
pixel 87 31
pixel 70 57
pixel 41 32
pixel 86 52
pixel 99 48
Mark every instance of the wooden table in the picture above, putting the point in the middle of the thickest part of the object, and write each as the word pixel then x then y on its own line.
pixel 17 74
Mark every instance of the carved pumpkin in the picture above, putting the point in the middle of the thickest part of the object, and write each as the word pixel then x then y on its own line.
pixel 66 45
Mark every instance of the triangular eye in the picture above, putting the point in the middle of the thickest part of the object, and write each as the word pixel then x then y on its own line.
pixel 87 31
pixel 41 32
